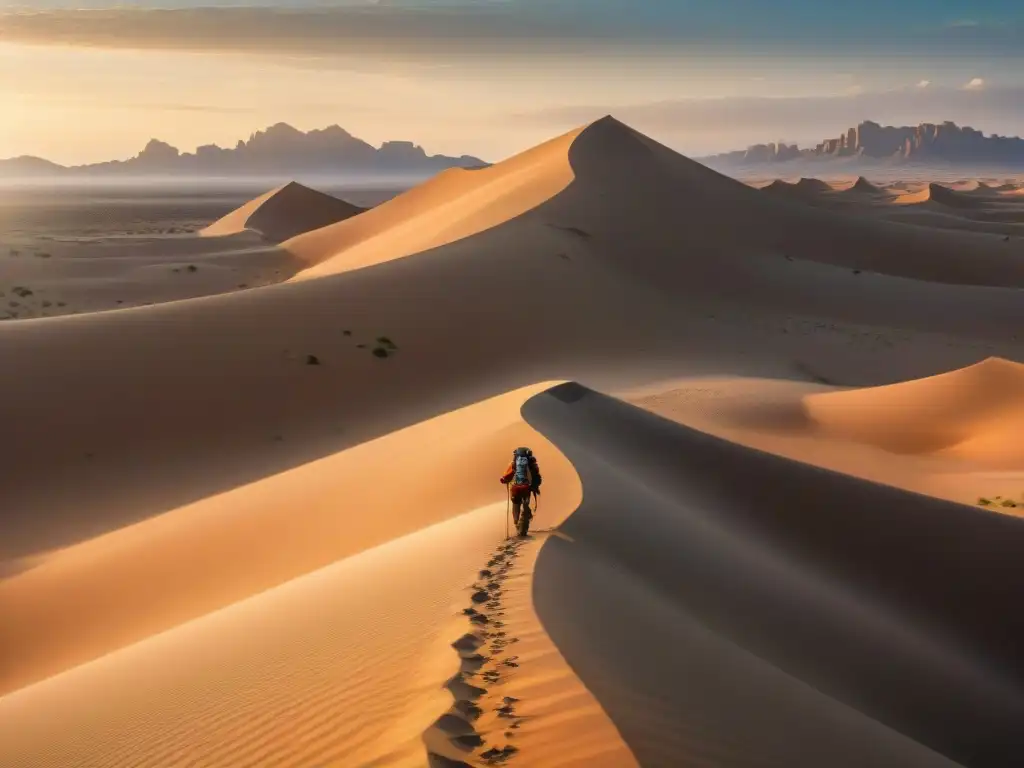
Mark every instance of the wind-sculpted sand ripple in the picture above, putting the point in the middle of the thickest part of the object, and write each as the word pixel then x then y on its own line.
pixel 288 677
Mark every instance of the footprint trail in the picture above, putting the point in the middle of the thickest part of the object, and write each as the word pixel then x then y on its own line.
pixel 485 718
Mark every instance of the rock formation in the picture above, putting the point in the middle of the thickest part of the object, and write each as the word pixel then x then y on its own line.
pixel 946 142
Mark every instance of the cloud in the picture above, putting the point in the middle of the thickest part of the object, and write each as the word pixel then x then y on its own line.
pixel 316 31
pixel 441 27
pixel 707 123
pixel 975 83
pixel 924 83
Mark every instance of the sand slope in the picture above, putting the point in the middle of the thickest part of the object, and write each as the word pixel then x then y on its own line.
pixel 292 676
pixel 283 213
pixel 120 587
pixel 972 413
pixel 773 416
pixel 451 206
pixel 728 548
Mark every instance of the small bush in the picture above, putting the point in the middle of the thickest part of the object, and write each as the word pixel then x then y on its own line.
pixel 1009 503
pixel 346 333
pixel 312 360
pixel 192 268
pixel 385 341
pixel 21 291
pixel 983 501
pixel 380 352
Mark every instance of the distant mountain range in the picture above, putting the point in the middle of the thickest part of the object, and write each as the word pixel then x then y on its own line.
pixel 871 143
pixel 280 150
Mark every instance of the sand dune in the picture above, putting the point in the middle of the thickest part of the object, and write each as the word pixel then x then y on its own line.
pixel 937 193
pixel 863 187
pixel 733 559
pixel 283 213
pixel 455 204
pixel 239 552
pixel 773 416
pixel 803 189
pixel 584 182
pixel 210 553
pixel 971 185
pixel 291 676
pixel 973 413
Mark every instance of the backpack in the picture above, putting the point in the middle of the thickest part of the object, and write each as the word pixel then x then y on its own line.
pixel 521 474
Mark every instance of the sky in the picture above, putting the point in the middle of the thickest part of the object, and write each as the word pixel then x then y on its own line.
pixel 88 80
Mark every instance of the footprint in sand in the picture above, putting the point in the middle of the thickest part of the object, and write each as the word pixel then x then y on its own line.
pixel 467 643
pixel 496 755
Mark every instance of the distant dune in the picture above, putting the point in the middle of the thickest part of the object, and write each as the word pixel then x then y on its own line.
pixel 283 213
pixel 863 187
pixel 934 193
pixel 802 188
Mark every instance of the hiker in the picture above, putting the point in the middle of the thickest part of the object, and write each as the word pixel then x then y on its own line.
pixel 522 478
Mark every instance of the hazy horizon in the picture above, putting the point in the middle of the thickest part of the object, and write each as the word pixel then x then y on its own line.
pixel 88 82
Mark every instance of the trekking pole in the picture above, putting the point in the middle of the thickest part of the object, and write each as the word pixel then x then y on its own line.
pixel 508 503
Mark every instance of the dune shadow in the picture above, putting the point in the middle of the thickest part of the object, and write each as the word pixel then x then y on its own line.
pixel 774 612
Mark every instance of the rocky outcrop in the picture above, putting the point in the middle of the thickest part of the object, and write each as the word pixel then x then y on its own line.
pixel 945 142
pixel 764 153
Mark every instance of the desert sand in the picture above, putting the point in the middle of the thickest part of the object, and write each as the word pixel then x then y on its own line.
pixel 780 521
pixel 282 213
